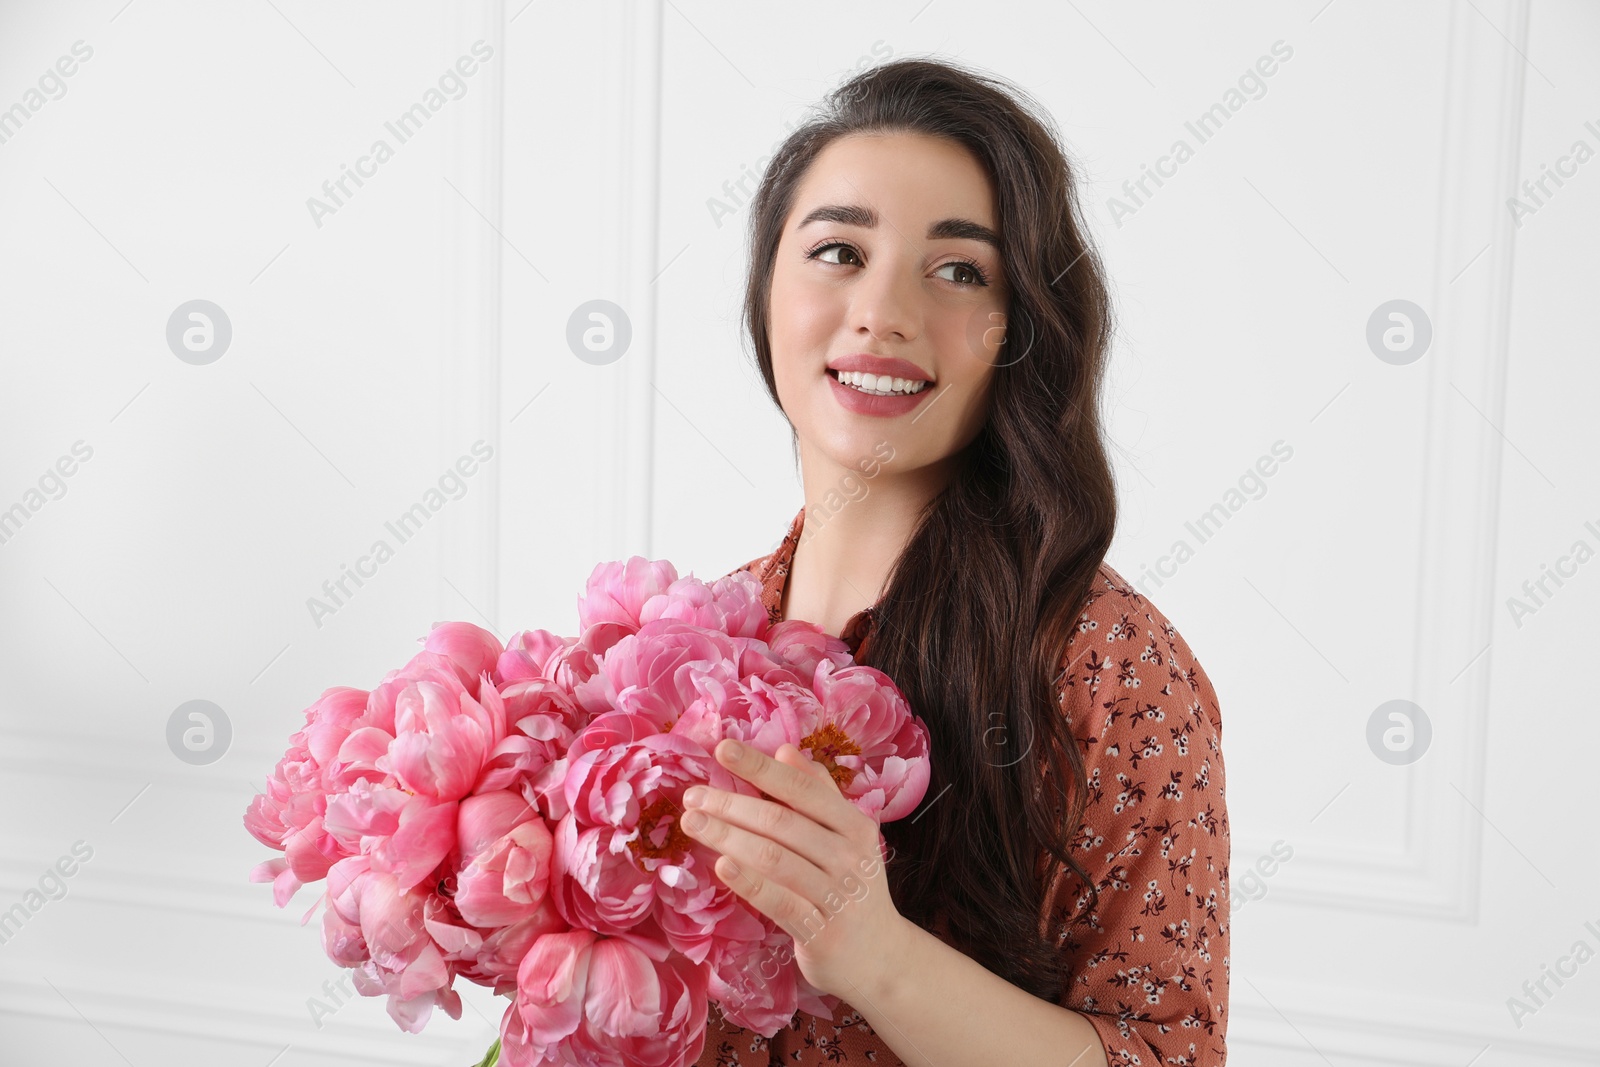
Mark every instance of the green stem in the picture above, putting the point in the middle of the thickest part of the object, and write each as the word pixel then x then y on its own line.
pixel 491 1057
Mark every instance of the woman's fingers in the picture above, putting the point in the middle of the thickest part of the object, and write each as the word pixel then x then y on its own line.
pixel 802 789
pixel 772 877
pixel 769 819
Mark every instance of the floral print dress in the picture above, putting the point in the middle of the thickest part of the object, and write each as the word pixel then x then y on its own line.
pixel 1149 968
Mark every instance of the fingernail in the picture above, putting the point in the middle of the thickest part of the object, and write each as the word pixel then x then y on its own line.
pixel 733 750
pixel 694 796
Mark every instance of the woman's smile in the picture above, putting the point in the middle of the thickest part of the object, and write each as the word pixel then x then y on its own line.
pixel 871 398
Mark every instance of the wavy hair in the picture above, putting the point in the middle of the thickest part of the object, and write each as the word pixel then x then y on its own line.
pixel 979 604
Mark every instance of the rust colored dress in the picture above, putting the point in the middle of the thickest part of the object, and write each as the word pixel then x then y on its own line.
pixel 1148 969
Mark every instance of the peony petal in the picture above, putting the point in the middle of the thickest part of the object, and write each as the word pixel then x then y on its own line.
pixel 624 994
pixel 426 835
pixel 551 984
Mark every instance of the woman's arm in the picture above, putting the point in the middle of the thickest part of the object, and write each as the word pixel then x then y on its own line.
pixel 1148 964
pixel 937 1007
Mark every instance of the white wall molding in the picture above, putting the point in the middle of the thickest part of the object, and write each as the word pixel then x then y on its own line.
pixel 641 258
pixel 1414 1028
pixel 469 368
pixel 107 882
pixel 63 757
pixel 231 1013
pixel 1436 876
pixel 634 94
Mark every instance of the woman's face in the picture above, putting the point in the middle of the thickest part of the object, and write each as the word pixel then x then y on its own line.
pixel 891 252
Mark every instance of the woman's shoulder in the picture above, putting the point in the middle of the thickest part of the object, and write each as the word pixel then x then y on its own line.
pixel 1123 646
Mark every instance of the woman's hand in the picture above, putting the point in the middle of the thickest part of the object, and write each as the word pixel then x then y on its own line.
pixel 807 859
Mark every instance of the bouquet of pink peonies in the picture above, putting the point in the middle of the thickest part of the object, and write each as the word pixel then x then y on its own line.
pixel 508 815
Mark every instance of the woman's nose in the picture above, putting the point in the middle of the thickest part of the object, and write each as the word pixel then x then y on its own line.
pixel 886 299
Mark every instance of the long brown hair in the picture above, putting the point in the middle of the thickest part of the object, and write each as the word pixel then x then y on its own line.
pixel 977 610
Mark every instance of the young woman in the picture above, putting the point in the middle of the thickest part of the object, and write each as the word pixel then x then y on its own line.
pixel 927 312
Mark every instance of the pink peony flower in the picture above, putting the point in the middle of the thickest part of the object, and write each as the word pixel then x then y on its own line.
pixel 288 816
pixel 758 983
pixel 543 721
pixel 730 605
pixel 329 721
pixel 443 737
pixel 532 654
pixel 593 887
pixel 473 651
pixel 663 670
pixel 505 848
pixel 616 593
pixel 496 962
pixel 378 929
pixel 803 645
pixel 621 845
pixel 865 734
pixel 587 999
pixel 404 835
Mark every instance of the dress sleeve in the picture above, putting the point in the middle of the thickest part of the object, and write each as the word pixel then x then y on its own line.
pixel 1148 967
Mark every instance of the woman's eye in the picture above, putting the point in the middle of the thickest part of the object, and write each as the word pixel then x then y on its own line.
pixel 827 253
pixel 972 275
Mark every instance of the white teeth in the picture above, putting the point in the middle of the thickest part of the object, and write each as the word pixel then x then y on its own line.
pixel 880 384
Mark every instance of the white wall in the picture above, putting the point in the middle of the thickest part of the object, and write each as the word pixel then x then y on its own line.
pixel 430 310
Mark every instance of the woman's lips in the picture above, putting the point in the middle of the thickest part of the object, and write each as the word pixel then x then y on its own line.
pixel 854 400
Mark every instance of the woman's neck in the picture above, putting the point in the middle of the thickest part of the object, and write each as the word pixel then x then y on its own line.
pixel 855 528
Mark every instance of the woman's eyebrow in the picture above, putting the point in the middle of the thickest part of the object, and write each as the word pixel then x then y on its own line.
pixel 866 218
